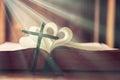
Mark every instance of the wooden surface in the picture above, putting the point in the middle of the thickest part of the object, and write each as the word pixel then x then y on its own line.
pixel 110 23
pixel 67 76
pixel 2 21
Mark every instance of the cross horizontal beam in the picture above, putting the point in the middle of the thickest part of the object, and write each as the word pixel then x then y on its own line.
pixel 38 34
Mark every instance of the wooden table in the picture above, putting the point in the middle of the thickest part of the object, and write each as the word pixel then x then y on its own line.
pixel 67 76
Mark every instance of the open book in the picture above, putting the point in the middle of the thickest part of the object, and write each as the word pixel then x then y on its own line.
pixel 58 55
pixel 65 36
pixel 13 57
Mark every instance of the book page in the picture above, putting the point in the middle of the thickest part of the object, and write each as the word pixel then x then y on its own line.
pixel 90 46
pixel 10 46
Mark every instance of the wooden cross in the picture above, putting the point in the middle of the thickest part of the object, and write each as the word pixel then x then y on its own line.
pixel 40 36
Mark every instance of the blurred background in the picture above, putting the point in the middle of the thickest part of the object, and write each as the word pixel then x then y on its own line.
pixel 90 20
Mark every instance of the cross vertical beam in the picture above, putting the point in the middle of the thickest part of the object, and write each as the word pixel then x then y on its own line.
pixel 37 47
